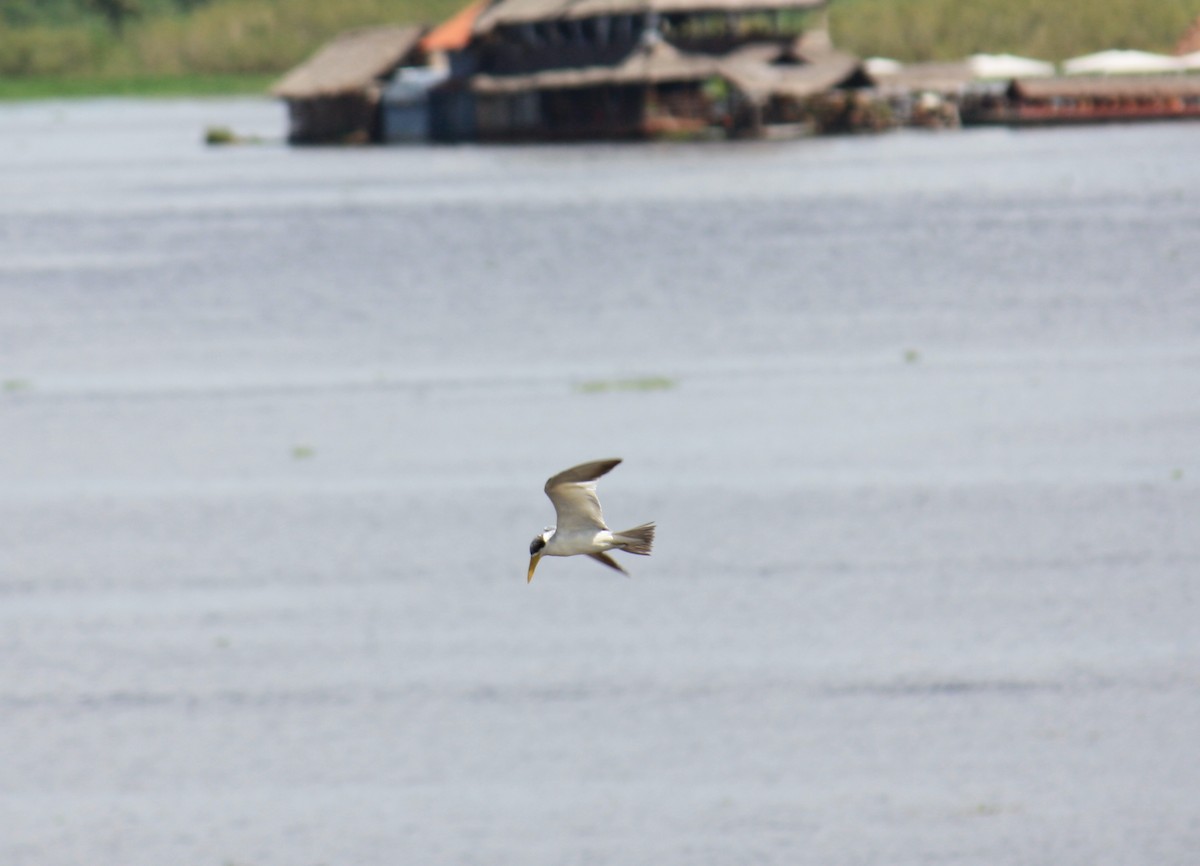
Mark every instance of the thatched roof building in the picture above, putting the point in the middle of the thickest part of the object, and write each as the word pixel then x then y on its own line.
pixel 631 68
pixel 1112 87
pixel 334 95
pixel 759 71
pixel 760 74
pixel 1110 98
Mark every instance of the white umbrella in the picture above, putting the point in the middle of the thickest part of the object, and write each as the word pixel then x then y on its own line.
pixel 1118 62
pixel 1190 61
pixel 997 66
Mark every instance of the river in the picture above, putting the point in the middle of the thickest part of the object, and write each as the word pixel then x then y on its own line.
pixel 917 416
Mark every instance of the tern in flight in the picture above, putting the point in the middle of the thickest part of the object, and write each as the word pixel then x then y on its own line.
pixel 581 527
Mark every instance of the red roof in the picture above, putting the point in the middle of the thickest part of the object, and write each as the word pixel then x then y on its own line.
pixel 454 33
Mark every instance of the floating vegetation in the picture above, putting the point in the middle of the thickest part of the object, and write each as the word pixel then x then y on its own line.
pixel 303 452
pixel 217 136
pixel 1176 474
pixel 644 383
pixel 912 356
pixel 13 386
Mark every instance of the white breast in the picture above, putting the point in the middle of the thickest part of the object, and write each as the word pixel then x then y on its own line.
pixel 575 543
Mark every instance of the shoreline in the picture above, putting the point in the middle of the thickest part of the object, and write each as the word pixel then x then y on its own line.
pixel 149 86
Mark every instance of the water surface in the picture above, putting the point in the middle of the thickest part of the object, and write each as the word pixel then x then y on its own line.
pixel 917 416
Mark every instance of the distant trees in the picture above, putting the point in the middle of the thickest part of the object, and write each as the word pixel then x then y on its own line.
pixel 117 12
pixel 25 13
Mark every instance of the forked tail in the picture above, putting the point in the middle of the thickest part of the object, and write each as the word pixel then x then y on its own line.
pixel 638 540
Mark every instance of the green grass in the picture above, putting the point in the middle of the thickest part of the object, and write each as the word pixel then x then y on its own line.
pixel 40 87
pixel 216 38
pixel 912 30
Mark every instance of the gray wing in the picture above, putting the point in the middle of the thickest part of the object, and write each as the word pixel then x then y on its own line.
pixel 605 559
pixel 573 493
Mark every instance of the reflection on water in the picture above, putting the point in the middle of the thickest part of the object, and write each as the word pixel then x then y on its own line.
pixel 915 414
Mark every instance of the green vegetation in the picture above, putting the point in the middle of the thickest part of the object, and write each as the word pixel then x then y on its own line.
pixel 82 47
pixel 218 135
pixel 201 40
pixel 222 136
pixel 133 85
pixel 645 383
pixel 1050 29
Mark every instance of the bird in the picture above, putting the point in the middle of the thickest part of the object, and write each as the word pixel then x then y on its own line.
pixel 581 528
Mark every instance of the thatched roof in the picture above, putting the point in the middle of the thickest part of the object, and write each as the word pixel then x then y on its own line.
pixel 791 75
pixel 350 63
pixel 946 78
pixel 758 70
pixel 524 11
pixel 1125 86
pixel 656 63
